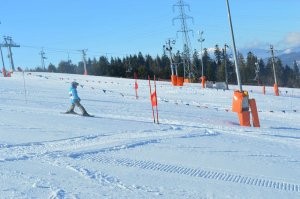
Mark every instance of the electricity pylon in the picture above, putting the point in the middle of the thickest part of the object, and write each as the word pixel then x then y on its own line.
pixel 189 69
pixel 9 44
pixel 43 59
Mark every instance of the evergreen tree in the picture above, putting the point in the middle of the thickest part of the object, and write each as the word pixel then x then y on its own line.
pixel 296 68
pixel 279 71
pixel 242 66
pixel 51 68
pixel 249 72
pixel 197 63
pixel 209 66
pixel 66 67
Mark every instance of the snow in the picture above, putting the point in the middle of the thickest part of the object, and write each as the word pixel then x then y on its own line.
pixel 197 151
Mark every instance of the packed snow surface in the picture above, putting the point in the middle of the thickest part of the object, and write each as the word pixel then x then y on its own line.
pixel 198 150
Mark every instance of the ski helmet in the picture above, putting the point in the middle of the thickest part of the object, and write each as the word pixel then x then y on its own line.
pixel 74 84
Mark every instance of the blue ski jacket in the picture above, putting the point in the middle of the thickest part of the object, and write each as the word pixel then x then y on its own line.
pixel 73 95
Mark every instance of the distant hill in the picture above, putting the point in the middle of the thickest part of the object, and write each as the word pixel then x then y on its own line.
pixel 287 56
pixel 288 59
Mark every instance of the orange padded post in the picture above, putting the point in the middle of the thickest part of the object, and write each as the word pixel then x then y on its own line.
pixel 174 80
pixel 180 81
pixel 237 101
pixel 254 113
pixel 276 90
pixel 244 118
pixel 203 80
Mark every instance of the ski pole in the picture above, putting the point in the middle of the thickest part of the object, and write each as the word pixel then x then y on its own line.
pixel 24 87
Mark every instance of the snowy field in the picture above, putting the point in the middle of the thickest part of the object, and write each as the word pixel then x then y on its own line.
pixel 198 151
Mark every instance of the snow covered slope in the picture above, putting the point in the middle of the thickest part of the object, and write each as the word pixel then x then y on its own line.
pixel 198 150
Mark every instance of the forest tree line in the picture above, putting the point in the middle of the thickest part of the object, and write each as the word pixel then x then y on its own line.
pixel 214 68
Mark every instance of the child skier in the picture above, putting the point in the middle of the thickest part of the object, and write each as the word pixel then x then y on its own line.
pixel 75 100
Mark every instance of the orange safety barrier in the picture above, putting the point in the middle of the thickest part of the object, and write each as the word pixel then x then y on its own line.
pixel 240 101
pixel 254 113
pixel 240 105
pixel 276 90
pixel 203 80
pixel 187 80
pixel 174 80
pixel 264 90
pixel 180 81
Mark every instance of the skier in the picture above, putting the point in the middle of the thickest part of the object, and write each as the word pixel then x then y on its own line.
pixel 75 100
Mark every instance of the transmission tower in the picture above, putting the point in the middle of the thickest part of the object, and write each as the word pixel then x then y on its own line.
pixel 43 59
pixel 9 44
pixel 189 70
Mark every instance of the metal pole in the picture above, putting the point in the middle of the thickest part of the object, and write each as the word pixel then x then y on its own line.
pixel 25 92
pixel 84 61
pixel 237 69
pixel 169 49
pixel 201 54
pixel 273 61
pixel 225 65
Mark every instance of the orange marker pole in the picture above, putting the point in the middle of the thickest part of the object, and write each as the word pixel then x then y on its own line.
pixel 151 99
pixel 136 86
pixel 156 100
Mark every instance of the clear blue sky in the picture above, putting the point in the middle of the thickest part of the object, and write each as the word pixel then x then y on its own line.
pixel 123 27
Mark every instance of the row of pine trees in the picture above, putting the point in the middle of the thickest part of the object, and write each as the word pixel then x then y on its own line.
pixel 214 68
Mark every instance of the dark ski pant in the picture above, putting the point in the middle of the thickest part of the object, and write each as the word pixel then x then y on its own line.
pixel 77 103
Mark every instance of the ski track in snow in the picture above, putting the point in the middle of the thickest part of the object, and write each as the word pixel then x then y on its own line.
pixel 207 174
pixel 103 143
pixel 104 179
pixel 93 155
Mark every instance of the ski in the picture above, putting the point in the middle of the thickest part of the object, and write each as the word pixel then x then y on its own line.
pixel 74 113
